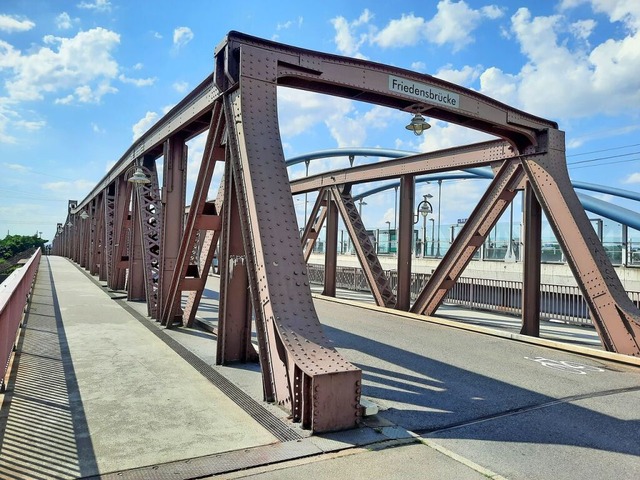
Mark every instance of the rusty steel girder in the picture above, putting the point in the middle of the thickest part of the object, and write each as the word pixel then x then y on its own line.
pixel 202 217
pixel 365 250
pixel 302 371
pixel 263 267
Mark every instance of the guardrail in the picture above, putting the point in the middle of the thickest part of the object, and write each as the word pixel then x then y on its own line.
pixel 14 296
pixel 557 302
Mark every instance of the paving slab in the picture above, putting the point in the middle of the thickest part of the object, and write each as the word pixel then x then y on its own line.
pixel 396 463
pixel 135 401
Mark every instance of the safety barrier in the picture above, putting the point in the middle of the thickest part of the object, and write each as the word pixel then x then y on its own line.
pixel 562 303
pixel 14 296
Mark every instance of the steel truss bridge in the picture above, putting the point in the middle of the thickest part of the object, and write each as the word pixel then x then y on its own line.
pixel 137 237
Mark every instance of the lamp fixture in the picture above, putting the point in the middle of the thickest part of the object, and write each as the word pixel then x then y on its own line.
pixel 424 208
pixel 418 124
pixel 139 177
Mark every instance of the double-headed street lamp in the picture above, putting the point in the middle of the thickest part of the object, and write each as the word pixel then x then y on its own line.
pixel 424 208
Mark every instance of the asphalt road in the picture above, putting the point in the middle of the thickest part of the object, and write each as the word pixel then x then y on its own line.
pixel 524 411
pixel 520 410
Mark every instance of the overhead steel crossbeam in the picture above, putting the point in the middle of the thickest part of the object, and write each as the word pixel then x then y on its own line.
pixel 476 155
pixel 262 264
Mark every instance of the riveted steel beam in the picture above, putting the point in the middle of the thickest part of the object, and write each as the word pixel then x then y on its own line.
pixel 474 155
pixel 365 249
pixel 186 274
pixel 616 318
pixel 472 235
pixel 302 365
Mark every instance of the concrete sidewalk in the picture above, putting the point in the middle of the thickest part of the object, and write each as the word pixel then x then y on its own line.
pixel 94 391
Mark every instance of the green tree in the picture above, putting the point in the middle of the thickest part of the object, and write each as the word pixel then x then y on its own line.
pixel 14 244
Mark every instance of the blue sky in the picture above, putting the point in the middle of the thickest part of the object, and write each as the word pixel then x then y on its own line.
pixel 79 80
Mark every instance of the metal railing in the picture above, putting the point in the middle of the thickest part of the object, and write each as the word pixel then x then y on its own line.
pixel 558 302
pixel 14 295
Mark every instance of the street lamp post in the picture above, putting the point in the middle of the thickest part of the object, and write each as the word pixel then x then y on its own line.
pixel 395 209
pixel 306 201
pixel 424 208
pixel 388 236
pixel 433 233
pixel 361 202
pixel 439 205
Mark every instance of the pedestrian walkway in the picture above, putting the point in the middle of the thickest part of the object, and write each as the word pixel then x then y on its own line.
pixel 98 390
pixel 95 391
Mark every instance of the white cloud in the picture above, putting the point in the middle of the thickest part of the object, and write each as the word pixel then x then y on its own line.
pixel 492 12
pixel 347 42
pixel 408 30
pixel 562 83
pixel 582 29
pixel 77 69
pixel 567 4
pixel 347 131
pixel 633 178
pixel 180 87
pixel 76 186
pixel 300 111
pixel 63 21
pixel 96 128
pixel 16 167
pixel 143 125
pixel 624 11
pixel 65 64
pixel 443 135
pixel 289 24
pixel 138 82
pixel 30 126
pixel 87 94
pixel 464 76
pixel 10 24
pixel 138 66
pixel 455 22
pixel 182 36
pixel 419 66
pixel 97 5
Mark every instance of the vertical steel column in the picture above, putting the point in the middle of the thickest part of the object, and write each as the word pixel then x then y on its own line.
pixel 174 183
pixel 614 315
pixel 331 247
pixel 365 251
pixel 186 276
pixel 234 318
pixel 531 263
pixel 314 224
pixel 109 232
pixel 310 378
pixel 97 246
pixel 150 219
pixel 121 234
pixel 90 233
pixel 81 255
pixel 135 281
pixel 407 201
